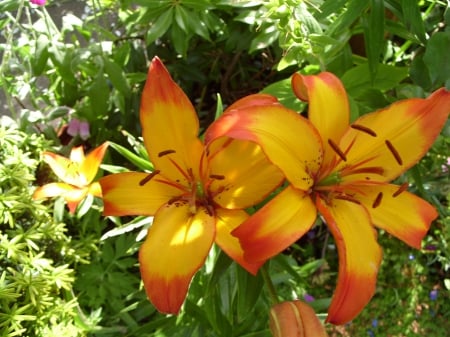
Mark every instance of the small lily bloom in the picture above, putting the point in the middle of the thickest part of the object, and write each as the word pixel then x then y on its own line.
pixel 342 172
pixel 295 319
pixel 197 193
pixel 77 174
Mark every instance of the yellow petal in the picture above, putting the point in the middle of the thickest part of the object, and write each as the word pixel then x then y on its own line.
pixel 227 221
pixel 401 135
pixel 130 193
pixel 91 163
pixel 71 194
pixel 65 169
pixel 77 154
pixel 289 140
pixel 328 109
pixel 295 319
pixel 239 173
pixel 51 190
pixel 169 125
pixel 400 213
pixel 175 248
pixel 359 258
pixel 277 225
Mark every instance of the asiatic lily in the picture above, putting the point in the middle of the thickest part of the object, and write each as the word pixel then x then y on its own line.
pixel 342 172
pixel 196 193
pixel 77 174
pixel 295 319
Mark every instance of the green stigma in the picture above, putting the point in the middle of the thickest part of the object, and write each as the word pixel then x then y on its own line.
pixel 333 179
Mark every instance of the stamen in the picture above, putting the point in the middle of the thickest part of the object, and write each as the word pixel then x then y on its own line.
pixel 347 198
pixel 148 178
pixel 403 187
pixel 364 129
pixel 337 150
pixel 372 169
pixel 166 152
pixel 394 152
pixel 377 200
pixel 217 176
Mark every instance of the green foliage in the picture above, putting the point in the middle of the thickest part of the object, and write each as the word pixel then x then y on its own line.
pixel 36 293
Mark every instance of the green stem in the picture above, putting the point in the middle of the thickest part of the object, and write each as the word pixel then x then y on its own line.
pixel 270 287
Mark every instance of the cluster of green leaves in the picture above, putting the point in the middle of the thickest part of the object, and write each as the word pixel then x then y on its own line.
pixel 36 293
pixel 78 275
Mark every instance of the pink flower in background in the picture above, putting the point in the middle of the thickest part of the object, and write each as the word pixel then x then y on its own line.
pixel 77 127
pixel 38 2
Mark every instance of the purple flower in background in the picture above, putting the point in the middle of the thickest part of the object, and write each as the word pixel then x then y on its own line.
pixel 308 298
pixel 433 295
pixel 411 257
pixel 77 127
pixel 375 322
pixel 38 2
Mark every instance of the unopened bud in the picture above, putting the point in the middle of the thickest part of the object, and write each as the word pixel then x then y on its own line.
pixel 295 319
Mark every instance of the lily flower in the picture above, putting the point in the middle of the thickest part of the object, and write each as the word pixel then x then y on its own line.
pixel 295 319
pixel 77 174
pixel 196 193
pixel 340 171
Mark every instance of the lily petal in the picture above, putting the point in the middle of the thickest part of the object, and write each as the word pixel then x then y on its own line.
pixel 65 169
pixel 280 132
pixel 400 213
pixel 253 100
pixel 71 194
pixel 404 133
pixel 227 221
pixel 328 110
pixel 176 246
pixel 130 193
pixel 169 124
pixel 77 154
pixel 277 225
pixel 89 167
pixel 237 185
pixel 359 258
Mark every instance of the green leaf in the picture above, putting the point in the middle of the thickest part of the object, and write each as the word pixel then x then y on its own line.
pixel 358 79
pixel 141 163
pixel 283 91
pixel 99 93
pixel 160 26
pixel 41 55
pixel 354 10
pixel 117 77
pixel 249 290
pixel 413 20
pixel 374 35
pixel 181 18
pixel 419 72
pixel 180 40
pixel 437 57
pixel 219 107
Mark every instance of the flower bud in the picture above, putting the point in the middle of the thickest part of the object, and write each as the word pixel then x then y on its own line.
pixel 295 319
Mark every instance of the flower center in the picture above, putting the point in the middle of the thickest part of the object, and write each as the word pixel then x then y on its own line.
pixel 195 193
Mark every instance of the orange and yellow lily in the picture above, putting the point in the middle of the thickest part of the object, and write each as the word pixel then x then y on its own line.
pixel 196 193
pixel 342 172
pixel 77 174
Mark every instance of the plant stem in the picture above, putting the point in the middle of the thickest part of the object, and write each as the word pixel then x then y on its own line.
pixel 270 287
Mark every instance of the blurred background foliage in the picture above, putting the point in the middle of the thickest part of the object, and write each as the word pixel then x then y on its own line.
pixel 69 61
